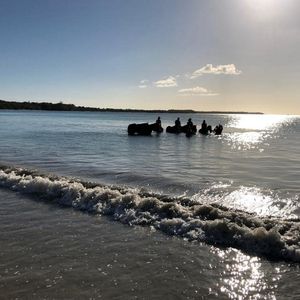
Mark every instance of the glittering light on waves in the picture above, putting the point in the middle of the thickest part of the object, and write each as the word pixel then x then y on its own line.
pixel 252 131
pixel 244 276
pixel 259 122
pixel 250 199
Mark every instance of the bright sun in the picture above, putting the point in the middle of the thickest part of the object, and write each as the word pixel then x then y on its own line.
pixel 267 8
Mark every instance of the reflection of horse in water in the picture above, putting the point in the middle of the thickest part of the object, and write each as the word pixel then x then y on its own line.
pixel 143 129
pixel 189 130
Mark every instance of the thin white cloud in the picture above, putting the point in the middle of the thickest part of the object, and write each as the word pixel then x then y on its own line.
pixel 196 91
pixel 166 82
pixel 216 70
pixel 143 84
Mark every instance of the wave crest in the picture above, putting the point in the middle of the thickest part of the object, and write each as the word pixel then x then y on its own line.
pixel 271 237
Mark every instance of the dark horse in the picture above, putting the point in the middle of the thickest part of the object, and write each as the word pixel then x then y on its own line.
pixel 185 129
pixel 206 130
pixel 143 129
pixel 217 130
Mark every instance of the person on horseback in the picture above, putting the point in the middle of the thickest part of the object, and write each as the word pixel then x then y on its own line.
pixel 158 122
pixel 178 123
pixel 190 123
pixel 204 126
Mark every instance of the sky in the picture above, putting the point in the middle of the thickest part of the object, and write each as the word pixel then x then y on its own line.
pixel 228 55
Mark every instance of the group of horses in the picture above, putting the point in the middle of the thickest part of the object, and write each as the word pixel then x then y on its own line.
pixel 146 129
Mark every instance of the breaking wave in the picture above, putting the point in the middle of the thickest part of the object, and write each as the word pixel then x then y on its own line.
pixel 273 238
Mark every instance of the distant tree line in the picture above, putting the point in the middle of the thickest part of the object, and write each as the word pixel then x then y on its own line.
pixel 44 106
pixel 60 106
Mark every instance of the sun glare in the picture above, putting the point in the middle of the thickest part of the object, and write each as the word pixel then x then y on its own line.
pixel 250 131
pixel 264 8
pixel 263 122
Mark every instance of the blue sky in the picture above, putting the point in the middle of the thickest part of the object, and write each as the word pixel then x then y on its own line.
pixel 203 55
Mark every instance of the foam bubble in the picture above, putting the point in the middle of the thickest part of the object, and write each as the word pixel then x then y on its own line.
pixel 274 238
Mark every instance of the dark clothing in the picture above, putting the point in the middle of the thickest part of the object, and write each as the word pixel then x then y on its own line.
pixel 190 123
pixel 204 125
pixel 178 123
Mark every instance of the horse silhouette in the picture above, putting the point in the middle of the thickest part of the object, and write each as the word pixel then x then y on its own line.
pixel 143 129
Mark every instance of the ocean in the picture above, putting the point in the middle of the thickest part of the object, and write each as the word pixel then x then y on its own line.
pixel 88 212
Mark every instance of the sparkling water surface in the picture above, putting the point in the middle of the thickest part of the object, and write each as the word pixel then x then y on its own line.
pixel 51 252
pixel 254 164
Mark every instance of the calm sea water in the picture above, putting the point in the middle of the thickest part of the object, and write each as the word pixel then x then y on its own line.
pixel 208 216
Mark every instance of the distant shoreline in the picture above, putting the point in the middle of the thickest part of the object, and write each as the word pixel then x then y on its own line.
pixel 47 106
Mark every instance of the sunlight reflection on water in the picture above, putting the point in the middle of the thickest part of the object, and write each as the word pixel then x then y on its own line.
pixel 263 122
pixel 251 199
pixel 247 140
pixel 251 131
pixel 244 276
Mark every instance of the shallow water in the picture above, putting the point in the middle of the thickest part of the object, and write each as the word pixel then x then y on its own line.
pixel 199 183
pixel 48 252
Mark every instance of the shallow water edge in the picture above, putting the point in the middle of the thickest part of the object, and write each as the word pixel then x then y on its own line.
pixel 271 237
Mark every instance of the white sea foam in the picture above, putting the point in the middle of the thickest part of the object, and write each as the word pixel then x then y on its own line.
pixel 274 238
